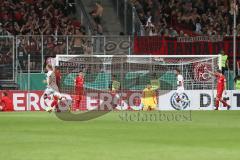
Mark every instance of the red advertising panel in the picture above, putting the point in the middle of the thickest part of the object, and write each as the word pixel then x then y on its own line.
pixel 34 101
pixel 157 45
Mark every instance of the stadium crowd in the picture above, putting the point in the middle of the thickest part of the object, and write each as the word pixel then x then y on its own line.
pixel 37 17
pixel 186 17
pixel 6 57
pixel 41 17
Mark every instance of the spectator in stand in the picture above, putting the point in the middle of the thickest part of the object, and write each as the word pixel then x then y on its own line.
pixel 172 32
pixel 33 48
pixel 150 28
pixel 198 26
pixel 6 104
pixel 71 7
pixel 3 31
pixel 87 47
pixel 77 43
pixel 97 14
pixel 22 55
pixel 208 17
pixel 224 62
pixel 6 57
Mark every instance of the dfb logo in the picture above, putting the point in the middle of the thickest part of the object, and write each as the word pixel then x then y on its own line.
pixel 179 102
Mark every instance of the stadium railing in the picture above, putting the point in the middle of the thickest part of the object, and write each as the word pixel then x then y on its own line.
pixel 41 47
pixel 86 20
pixel 129 17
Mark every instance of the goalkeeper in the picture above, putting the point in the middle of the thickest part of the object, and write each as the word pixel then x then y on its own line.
pixel 149 99
pixel 114 85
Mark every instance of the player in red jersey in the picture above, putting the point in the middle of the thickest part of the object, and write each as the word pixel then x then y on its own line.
pixel 57 97
pixel 58 76
pixel 6 103
pixel 221 86
pixel 79 89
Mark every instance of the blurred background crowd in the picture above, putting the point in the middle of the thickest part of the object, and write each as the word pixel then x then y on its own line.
pixel 52 18
pixel 186 17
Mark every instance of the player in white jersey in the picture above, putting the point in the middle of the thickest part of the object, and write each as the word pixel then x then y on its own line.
pixel 52 87
pixel 180 82
pixel 180 88
pixel 52 90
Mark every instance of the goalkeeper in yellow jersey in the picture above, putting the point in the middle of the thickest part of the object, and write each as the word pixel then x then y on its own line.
pixel 149 99
pixel 114 85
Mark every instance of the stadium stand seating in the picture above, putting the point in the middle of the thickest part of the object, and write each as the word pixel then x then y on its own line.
pixel 192 17
pixel 36 17
pixel 27 19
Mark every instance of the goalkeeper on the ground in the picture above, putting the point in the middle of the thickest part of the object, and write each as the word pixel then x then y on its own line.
pixel 149 99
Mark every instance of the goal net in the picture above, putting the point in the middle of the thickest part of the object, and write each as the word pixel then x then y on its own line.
pixel 127 74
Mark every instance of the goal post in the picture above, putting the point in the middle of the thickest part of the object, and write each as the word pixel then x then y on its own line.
pixel 133 73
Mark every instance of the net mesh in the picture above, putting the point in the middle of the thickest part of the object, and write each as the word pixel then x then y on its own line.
pixel 134 73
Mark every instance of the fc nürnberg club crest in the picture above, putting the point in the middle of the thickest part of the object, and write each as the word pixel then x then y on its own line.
pixel 201 72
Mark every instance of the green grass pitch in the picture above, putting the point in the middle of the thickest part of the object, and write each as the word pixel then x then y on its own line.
pixel 210 135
